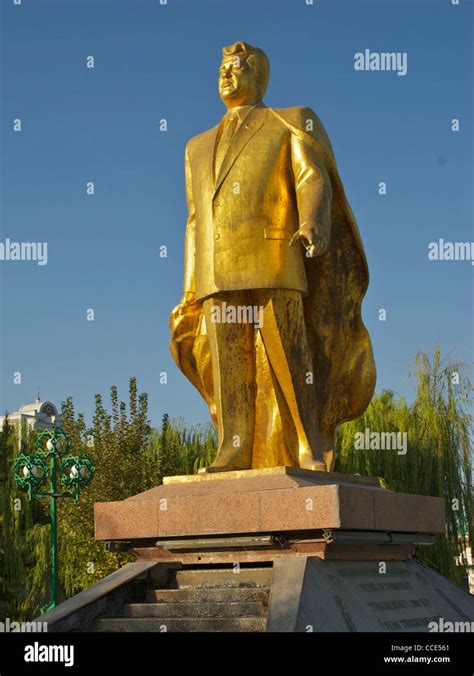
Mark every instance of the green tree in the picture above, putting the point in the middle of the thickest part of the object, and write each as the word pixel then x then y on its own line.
pixel 117 443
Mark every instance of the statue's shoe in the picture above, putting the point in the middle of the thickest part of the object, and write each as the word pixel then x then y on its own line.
pixel 221 468
pixel 313 464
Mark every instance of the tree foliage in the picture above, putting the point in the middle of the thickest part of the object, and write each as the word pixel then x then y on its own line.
pixel 117 443
pixel 24 534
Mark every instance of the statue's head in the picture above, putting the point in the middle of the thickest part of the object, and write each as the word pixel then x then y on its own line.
pixel 243 75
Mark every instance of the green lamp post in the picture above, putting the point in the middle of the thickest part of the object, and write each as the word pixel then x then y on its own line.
pixel 63 469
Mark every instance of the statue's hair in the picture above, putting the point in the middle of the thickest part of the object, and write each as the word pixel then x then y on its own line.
pixel 255 57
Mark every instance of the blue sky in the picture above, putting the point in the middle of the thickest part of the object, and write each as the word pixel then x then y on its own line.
pixel 153 62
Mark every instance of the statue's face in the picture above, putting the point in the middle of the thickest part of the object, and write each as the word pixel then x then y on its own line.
pixel 237 82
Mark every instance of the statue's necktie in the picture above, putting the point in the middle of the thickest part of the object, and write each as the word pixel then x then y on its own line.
pixel 225 140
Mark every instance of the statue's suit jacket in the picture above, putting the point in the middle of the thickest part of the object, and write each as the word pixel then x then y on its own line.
pixel 240 222
pixel 285 168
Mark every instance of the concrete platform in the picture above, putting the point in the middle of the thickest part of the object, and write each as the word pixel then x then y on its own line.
pixel 276 550
pixel 291 594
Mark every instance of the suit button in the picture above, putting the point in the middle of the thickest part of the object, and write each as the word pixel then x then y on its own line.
pixel 217 235
pixel 218 203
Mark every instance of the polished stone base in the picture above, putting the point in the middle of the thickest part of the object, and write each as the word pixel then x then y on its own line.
pixel 291 504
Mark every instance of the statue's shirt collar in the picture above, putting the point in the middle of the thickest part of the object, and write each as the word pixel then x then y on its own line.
pixel 240 111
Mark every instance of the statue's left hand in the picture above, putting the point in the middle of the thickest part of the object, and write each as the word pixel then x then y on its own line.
pixel 313 237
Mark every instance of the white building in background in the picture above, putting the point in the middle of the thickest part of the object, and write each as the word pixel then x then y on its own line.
pixel 37 416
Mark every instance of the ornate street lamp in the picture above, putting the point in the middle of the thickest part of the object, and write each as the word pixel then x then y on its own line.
pixel 33 472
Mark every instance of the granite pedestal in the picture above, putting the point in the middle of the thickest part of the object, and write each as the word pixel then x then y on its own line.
pixel 257 515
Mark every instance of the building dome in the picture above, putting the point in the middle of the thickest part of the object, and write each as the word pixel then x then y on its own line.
pixel 43 408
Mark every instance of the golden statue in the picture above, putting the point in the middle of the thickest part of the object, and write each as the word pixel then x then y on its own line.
pixel 269 328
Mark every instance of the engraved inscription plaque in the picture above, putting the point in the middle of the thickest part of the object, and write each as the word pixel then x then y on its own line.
pixel 353 596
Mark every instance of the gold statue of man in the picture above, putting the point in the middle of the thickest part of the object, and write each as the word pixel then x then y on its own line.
pixel 269 328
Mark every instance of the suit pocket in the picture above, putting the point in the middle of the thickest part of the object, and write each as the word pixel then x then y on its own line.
pixel 276 233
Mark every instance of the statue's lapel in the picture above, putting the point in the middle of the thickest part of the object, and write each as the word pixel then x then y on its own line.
pixel 252 123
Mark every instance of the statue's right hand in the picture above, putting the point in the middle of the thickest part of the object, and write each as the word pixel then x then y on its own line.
pixel 313 237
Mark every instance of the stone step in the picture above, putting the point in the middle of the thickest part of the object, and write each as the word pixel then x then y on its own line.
pixel 208 595
pixel 188 610
pixel 199 578
pixel 207 624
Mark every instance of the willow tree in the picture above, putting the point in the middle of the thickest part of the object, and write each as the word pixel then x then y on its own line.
pixel 179 448
pixel 437 461
pixel 24 534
